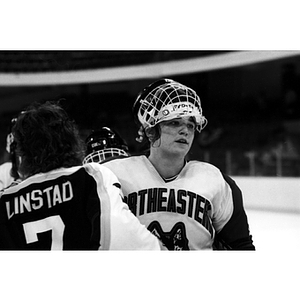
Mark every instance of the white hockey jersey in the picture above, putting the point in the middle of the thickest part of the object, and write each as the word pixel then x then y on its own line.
pixel 184 213
pixel 78 208
pixel 5 178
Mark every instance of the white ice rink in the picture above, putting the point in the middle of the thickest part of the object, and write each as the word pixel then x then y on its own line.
pixel 272 205
pixel 274 231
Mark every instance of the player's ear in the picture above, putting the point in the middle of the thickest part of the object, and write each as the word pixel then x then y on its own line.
pixel 153 134
pixel 150 133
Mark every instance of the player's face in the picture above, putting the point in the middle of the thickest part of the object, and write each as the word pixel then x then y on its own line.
pixel 177 135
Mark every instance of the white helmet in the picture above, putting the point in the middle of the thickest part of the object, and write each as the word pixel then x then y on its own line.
pixel 167 99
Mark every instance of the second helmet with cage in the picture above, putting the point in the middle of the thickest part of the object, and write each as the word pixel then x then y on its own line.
pixel 103 144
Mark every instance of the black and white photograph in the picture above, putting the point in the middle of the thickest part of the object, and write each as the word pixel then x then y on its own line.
pixel 124 153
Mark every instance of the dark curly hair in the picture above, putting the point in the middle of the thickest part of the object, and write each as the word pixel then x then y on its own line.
pixel 46 139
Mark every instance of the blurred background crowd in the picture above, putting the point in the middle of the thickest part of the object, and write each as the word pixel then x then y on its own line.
pixel 250 98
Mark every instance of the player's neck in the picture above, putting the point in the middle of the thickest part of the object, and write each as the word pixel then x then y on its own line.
pixel 165 166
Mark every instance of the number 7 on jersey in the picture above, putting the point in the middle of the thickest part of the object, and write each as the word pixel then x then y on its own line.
pixel 53 223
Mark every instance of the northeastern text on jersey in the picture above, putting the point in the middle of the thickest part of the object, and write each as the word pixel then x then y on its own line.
pixel 170 200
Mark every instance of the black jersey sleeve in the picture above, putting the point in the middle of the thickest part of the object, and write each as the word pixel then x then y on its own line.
pixel 235 235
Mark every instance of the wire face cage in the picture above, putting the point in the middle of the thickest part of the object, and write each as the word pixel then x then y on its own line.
pixel 101 155
pixel 167 101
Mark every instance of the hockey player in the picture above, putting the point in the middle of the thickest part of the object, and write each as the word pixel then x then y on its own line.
pixel 104 144
pixel 60 204
pixel 189 205
pixel 8 170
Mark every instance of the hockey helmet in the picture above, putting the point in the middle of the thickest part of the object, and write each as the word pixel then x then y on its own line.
pixel 103 144
pixel 167 99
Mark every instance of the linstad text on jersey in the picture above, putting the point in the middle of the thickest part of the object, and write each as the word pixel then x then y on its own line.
pixel 37 199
